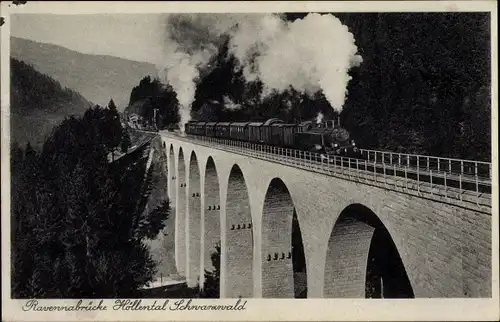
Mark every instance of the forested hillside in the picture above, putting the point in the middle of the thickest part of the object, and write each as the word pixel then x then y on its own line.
pixel 424 84
pixel 97 77
pixel 38 103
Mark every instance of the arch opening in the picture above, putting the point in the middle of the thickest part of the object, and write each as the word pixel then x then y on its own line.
pixel 172 178
pixel 211 237
pixel 168 235
pixel 298 260
pixel 193 222
pixel 180 218
pixel 362 259
pixel 239 239
pixel 283 262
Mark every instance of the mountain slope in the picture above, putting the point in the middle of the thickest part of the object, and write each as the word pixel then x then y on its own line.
pixel 38 103
pixel 96 77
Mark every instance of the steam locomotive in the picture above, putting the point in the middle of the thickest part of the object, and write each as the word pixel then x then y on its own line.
pixel 324 138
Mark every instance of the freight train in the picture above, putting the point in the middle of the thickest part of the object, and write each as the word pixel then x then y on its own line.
pixel 324 138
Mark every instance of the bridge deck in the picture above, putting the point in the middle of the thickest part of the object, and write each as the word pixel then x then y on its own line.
pixel 463 190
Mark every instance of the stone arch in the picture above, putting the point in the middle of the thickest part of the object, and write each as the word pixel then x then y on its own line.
pixel 362 260
pixel 239 238
pixel 180 217
pixel 211 226
pixel 193 236
pixel 283 263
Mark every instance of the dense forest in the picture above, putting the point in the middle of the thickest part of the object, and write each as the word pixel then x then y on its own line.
pixel 424 84
pixel 76 216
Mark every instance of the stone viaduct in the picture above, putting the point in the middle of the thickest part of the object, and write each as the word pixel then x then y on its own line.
pixel 417 247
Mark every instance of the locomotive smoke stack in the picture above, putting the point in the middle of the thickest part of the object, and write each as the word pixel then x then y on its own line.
pixel 319 118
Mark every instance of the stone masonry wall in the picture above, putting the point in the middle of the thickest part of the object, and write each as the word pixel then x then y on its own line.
pixel 194 224
pixel 277 265
pixel 212 216
pixel 346 260
pixel 239 240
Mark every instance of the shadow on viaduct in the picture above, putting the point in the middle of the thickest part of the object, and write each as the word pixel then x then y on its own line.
pixel 286 232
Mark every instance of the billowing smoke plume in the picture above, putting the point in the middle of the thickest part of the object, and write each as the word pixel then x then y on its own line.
pixel 230 105
pixel 190 41
pixel 310 54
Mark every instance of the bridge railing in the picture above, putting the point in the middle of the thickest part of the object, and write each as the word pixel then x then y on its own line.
pixel 431 163
pixel 408 175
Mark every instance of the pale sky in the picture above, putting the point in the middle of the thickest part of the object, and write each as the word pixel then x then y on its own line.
pixel 132 36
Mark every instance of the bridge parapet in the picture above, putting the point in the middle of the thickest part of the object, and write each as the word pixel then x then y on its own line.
pixel 450 166
pixel 444 185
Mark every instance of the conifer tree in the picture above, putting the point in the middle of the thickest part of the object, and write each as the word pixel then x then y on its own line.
pixel 126 142
pixel 211 287
pixel 114 130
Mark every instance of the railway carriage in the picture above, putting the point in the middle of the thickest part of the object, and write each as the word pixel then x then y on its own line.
pixel 195 128
pixel 277 134
pixel 289 131
pixel 190 127
pixel 254 132
pixel 265 130
pixel 210 129
pixel 239 131
pixel 200 128
pixel 222 130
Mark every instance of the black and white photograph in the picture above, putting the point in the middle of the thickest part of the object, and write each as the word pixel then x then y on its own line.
pixel 207 159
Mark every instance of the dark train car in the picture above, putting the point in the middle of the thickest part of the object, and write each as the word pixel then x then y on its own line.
pixel 190 127
pixel 277 134
pixel 199 128
pixel 239 131
pixel 265 134
pixel 210 129
pixel 289 131
pixel 222 130
pixel 254 132
pixel 265 130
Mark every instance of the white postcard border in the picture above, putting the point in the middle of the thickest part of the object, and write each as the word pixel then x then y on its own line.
pixel 255 309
